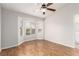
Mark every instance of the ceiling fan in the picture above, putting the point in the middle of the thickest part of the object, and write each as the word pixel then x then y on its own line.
pixel 45 7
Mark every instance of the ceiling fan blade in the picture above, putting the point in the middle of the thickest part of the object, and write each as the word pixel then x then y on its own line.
pixel 51 9
pixel 49 4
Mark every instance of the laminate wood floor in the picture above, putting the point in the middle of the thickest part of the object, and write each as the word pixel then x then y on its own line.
pixel 40 48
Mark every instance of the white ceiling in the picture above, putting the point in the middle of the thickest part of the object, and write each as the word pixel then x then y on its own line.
pixel 32 8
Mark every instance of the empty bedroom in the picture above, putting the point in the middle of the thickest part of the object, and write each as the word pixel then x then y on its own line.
pixel 39 29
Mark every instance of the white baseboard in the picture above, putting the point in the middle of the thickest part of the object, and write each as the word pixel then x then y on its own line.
pixel 19 43
pixel 9 47
pixel 62 44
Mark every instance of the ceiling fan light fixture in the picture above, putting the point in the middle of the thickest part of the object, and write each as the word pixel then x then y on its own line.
pixel 43 13
pixel 43 10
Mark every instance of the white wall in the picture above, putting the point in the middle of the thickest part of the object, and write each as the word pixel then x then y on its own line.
pixel 9 27
pixel 76 27
pixel 59 27
pixel 0 27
